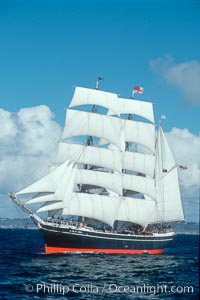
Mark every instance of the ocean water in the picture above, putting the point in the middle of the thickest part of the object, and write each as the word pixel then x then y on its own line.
pixel 27 273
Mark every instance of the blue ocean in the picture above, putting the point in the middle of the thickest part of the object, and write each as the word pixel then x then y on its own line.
pixel 27 273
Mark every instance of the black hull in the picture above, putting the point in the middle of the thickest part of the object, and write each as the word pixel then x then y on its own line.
pixel 60 239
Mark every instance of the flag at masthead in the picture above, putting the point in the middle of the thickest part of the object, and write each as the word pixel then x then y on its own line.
pixel 97 83
pixel 137 90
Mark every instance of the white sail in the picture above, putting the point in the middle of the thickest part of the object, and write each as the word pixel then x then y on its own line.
pixel 139 162
pixel 136 107
pixel 168 161
pixel 63 190
pixel 136 210
pixel 101 157
pixel 106 180
pixel 139 184
pixel 80 123
pixel 111 181
pixel 94 206
pixel 49 207
pixel 50 182
pixel 169 206
pixel 83 96
pixel 140 133
pixel 155 177
pixel 46 198
pixel 135 161
pixel 173 210
pixel 66 187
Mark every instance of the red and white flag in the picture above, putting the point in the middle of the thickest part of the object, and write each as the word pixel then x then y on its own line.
pixel 183 168
pixel 138 89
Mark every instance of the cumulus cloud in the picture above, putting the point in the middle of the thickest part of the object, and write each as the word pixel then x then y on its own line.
pixel 186 148
pixel 185 76
pixel 27 143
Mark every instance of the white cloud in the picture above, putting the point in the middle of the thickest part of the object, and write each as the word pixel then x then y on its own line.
pixel 8 130
pixel 186 148
pixel 185 76
pixel 27 142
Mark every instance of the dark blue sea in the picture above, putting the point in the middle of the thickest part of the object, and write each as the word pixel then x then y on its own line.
pixel 27 273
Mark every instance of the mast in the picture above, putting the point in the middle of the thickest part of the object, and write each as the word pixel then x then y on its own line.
pixel 115 133
pixel 130 117
pixel 98 80
pixel 159 173
pixel 94 110
pixel 162 169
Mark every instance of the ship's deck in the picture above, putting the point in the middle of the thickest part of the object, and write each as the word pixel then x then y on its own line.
pixel 83 227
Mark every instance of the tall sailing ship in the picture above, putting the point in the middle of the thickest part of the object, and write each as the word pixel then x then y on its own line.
pixel 113 185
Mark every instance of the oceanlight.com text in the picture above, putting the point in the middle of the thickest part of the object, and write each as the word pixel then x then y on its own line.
pixel 89 288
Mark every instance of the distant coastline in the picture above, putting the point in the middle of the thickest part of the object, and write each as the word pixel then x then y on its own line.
pixel 17 223
pixel 186 228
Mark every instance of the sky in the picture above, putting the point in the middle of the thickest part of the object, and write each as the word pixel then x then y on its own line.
pixel 49 46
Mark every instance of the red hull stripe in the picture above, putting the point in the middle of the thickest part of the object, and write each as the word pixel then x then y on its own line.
pixel 49 249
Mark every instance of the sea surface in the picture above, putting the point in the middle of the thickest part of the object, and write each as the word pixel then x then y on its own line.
pixel 27 273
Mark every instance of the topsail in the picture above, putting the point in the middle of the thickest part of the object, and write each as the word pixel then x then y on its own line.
pixel 126 173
